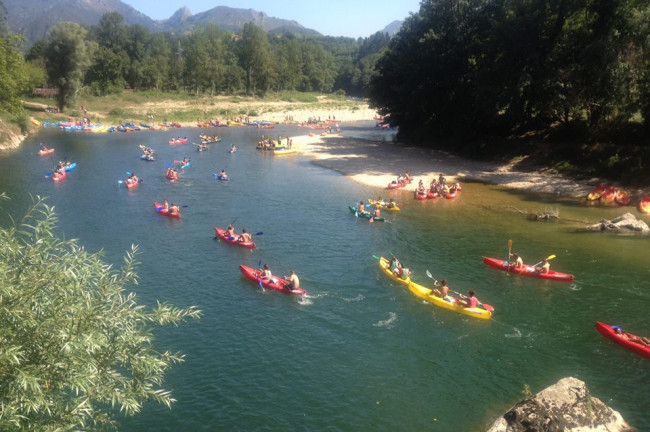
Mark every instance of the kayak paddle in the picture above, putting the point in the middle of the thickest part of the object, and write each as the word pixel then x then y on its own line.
pixel 509 253
pixel 550 257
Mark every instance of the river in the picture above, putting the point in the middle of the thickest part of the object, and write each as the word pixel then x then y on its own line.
pixel 359 353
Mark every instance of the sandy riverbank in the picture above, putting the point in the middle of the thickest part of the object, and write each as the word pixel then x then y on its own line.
pixel 377 163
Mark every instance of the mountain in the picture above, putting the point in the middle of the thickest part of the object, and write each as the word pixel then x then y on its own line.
pixel 232 19
pixel 34 18
pixel 393 28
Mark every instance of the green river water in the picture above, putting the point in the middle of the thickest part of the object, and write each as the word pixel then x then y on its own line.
pixel 359 353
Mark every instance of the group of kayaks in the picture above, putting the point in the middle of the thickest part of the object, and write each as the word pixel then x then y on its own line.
pixel 608 194
pixel 275 283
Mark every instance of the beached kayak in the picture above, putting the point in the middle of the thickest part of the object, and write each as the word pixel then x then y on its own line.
pixel 609 332
pixel 275 283
pixel 609 195
pixel 161 210
pixel 58 176
pixel 527 270
pixel 597 192
pixel 223 235
pixel 622 197
pixel 353 209
pixel 644 204
pixel 449 303
pixel 395 184
pixel 45 152
pixel 284 151
pixel 384 206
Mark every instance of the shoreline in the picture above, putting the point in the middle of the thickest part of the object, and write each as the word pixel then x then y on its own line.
pixel 376 163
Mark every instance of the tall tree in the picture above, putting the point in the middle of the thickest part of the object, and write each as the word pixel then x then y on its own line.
pixel 75 348
pixel 69 56
pixel 255 58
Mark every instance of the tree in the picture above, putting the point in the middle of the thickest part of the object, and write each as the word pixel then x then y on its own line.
pixel 16 76
pixel 75 347
pixel 255 58
pixel 69 55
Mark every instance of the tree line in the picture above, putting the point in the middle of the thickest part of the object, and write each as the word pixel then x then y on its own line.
pixel 112 56
pixel 502 68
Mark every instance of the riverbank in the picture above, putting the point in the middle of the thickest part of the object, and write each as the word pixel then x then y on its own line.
pixel 378 163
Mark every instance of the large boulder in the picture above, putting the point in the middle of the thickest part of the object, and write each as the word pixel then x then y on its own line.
pixel 626 222
pixel 565 406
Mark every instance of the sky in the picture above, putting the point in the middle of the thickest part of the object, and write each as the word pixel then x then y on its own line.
pixel 351 18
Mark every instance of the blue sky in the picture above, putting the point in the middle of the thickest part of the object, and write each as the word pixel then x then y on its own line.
pixel 351 18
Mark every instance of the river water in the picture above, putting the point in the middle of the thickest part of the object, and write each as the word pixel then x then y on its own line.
pixel 359 353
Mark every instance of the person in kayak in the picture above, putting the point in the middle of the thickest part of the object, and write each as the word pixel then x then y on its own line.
pixel 469 302
pixel 173 209
pixel 443 292
pixel 544 268
pixel 376 213
pixel 166 205
pixel 361 208
pixel 223 174
pixel 294 282
pixel 244 236
pixel 394 265
pixel 421 188
pixel 391 204
pixel 265 273
pixel 231 230
pixel 632 338
pixel 518 262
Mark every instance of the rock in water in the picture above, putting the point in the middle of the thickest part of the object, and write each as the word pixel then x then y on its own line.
pixel 626 222
pixel 565 406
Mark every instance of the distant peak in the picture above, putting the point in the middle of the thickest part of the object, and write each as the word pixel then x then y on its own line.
pixel 182 14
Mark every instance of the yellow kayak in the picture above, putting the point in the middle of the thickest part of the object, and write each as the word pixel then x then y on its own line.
pixel 427 294
pixel 383 206
pixel 284 151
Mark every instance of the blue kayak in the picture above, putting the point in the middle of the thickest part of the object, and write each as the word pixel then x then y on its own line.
pixel 70 167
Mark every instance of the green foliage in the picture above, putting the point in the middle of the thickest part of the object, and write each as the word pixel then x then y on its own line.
pixel 501 68
pixel 116 112
pixel 75 347
pixel 68 58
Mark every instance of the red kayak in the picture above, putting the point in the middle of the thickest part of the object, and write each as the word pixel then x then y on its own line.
pixel 275 283
pixel 58 176
pixel 177 141
pixel 597 192
pixel 420 195
pixel 527 270
pixel 131 183
pixel 161 210
pixel 395 184
pixel 623 339
pixel 172 176
pixel 432 194
pixel 644 204
pixel 223 235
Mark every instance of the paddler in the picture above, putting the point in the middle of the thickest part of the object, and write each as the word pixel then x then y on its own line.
pixel 518 263
pixel 544 268
pixel 469 302
pixel 245 237
pixel 294 282
pixel 443 292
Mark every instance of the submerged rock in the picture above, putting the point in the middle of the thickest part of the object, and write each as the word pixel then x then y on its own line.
pixel 565 406
pixel 626 222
